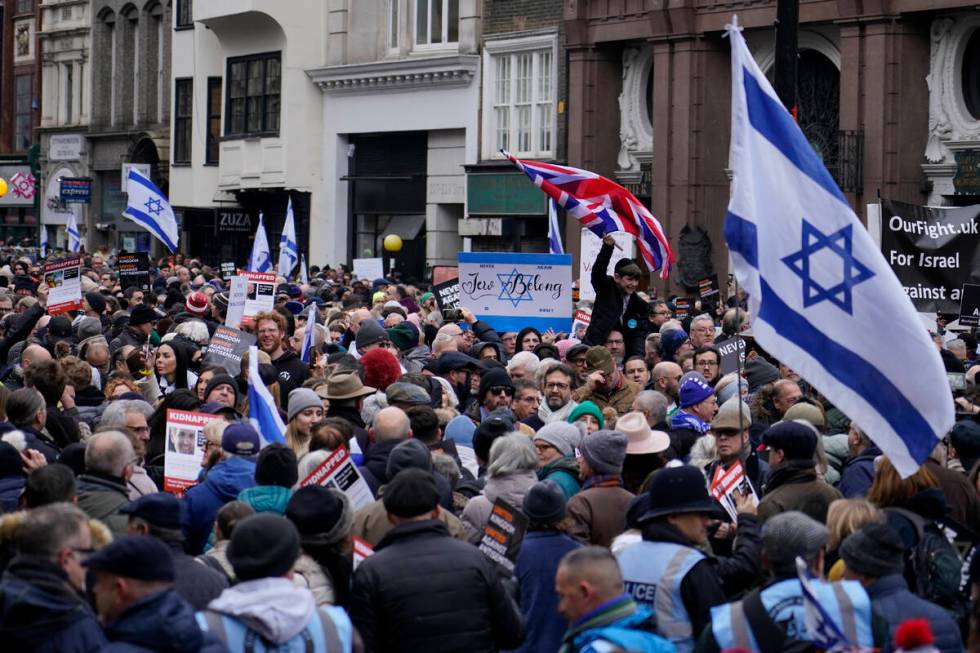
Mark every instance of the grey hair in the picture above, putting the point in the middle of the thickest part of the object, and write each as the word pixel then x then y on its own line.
pixel 704 317
pixel 524 359
pixel 114 416
pixel 653 404
pixel 194 330
pixel 956 344
pixel 670 325
pixel 48 529
pixel 109 452
pixel 510 454
pixel 23 405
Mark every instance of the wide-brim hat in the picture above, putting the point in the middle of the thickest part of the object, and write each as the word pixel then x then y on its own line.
pixel 641 439
pixel 347 385
pixel 679 490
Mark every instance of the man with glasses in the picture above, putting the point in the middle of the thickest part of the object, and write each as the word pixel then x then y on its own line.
pixel 496 391
pixel 659 313
pixel 527 400
pixel 666 379
pixel 616 346
pixel 707 361
pixel 558 403
pixel 575 358
pixel 702 331
pixel 132 414
pixel 42 596
pixel 730 428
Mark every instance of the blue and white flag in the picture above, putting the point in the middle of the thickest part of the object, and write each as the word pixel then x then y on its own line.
pixel 821 628
pixel 262 411
pixel 44 241
pixel 554 233
pixel 820 292
pixel 74 238
pixel 304 274
pixel 288 250
pixel 308 341
pixel 260 260
pixel 148 208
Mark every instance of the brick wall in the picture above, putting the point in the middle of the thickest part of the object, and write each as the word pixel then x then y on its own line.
pixel 511 18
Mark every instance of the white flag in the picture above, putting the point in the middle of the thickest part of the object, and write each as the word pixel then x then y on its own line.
pixel 820 291
pixel 148 208
pixel 260 259
pixel 44 241
pixel 288 251
pixel 304 274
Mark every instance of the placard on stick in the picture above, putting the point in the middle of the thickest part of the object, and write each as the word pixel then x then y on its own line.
pixel 63 279
pixel 503 534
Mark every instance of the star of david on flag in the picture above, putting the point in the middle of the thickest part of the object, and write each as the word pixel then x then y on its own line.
pixel 819 289
pixel 260 260
pixel 147 207
pixel 511 288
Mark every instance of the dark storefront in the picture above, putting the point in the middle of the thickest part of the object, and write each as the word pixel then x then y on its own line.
pixel 387 196
pixel 226 234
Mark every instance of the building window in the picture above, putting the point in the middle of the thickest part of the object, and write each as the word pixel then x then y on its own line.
pixel 185 13
pixel 23 99
pixel 183 112
pixel 212 149
pixel 253 95
pixel 436 22
pixel 971 75
pixel 393 24
pixel 24 7
pixel 520 110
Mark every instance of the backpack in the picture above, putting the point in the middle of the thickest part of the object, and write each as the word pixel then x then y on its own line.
pixel 768 635
pixel 933 567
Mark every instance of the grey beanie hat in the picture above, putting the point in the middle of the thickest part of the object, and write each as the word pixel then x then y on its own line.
pixel 875 550
pixel 605 451
pixel 406 455
pixel 89 327
pixel 300 399
pixel 562 436
pixel 789 535
pixel 369 333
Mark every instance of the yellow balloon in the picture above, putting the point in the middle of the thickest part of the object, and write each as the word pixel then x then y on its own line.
pixel 393 243
pixel 3 186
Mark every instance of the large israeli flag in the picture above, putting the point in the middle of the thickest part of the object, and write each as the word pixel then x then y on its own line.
pixel 260 259
pixel 74 237
pixel 262 411
pixel 288 250
pixel 823 298
pixel 147 207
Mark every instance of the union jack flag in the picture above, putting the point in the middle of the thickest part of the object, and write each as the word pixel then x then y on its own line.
pixel 603 206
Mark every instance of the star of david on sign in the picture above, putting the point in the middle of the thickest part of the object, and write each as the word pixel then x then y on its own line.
pixel 853 271
pixel 508 286
pixel 154 206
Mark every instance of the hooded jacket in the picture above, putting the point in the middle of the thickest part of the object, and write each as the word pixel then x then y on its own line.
pixel 159 622
pixel 202 502
pixel 41 613
pixel 292 373
pixel 511 488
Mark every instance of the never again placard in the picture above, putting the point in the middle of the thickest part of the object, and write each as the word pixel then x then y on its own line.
pixel 513 291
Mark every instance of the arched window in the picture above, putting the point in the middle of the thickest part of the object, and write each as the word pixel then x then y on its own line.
pixel 152 82
pixel 971 75
pixel 130 64
pixel 104 81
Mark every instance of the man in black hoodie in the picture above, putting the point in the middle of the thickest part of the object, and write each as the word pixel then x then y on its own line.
pixel 270 328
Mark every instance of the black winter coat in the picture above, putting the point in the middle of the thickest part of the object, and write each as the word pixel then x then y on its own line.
pixel 292 373
pixel 424 591
pixel 608 307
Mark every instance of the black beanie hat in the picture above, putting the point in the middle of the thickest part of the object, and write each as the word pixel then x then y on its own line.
pixel 265 545
pixel 493 378
pixel 96 301
pixel 222 379
pixel 276 465
pixel 322 515
pixel 412 493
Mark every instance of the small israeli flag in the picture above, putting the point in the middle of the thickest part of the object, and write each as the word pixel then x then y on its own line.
pixel 74 238
pixel 554 233
pixel 308 335
pixel 288 251
pixel 260 260
pixel 818 285
pixel 44 241
pixel 147 207
pixel 304 274
pixel 262 411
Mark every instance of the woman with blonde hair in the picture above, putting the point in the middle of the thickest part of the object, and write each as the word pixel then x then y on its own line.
pixel 845 516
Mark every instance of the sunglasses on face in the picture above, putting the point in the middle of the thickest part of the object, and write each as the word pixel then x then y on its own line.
pixel 497 389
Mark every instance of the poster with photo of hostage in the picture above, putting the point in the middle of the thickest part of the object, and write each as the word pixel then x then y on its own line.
pixel 260 294
pixel 63 279
pixel 185 450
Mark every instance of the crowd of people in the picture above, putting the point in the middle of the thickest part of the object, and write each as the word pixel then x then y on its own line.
pixel 668 506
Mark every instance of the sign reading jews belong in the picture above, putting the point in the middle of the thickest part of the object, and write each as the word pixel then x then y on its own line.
pixel 512 291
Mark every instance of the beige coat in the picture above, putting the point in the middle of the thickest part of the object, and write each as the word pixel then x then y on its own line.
pixel 371 523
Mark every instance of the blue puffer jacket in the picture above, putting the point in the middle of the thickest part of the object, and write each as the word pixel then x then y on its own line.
pixel 159 622
pixel 202 502
pixel 892 600
pixel 41 613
